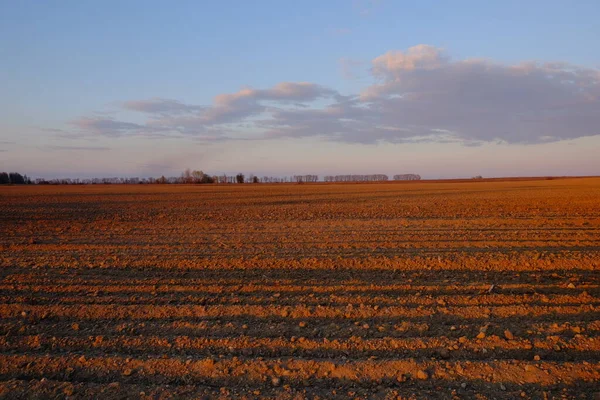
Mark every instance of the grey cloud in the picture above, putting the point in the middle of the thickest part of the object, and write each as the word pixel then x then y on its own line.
pixel 110 127
pixel 52 130
pixel 107 126
pixel 161 106
pixel 420 95
pixel 232 106
pixel 172 117
pixel 79 148
pixel 485 101
pixel 247 102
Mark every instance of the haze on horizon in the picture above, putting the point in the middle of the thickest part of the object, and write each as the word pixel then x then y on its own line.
pixel 278 88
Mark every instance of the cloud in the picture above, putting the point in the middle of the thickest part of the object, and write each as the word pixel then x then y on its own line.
pixel 209 123
pixel 417 95
pixel 78 148
pixel 160 106
pixel 420 57
pixel 424 89
pixel 247 102
pixel 107 126
pixel 53 130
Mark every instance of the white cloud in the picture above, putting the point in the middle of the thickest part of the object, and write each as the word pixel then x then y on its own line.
pixel 420 94
pixel 483 100
pixel 421 57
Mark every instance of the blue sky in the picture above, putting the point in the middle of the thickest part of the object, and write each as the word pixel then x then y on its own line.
pixel 445 89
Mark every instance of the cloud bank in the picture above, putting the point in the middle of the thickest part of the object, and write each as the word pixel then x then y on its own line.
pixel 416 95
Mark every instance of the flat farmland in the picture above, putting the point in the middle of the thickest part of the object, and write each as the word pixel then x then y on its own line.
pixel 413 290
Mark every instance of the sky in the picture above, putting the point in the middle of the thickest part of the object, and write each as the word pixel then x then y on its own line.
pixel 442 89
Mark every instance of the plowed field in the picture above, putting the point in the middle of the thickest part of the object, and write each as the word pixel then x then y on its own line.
pixel 411 290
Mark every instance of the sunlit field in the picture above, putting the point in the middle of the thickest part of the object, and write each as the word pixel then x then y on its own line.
pixel 445 289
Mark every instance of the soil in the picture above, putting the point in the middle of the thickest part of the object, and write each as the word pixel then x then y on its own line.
pixel 484 289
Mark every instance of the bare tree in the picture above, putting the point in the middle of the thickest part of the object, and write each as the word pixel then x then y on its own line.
pixel 305 178
pixel 356 178
pixel 186 176
pixel 197 176
pixel 407 177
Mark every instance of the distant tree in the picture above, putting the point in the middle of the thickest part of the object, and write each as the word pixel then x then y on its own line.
pixel 197 176
pixel 4 179
pixel 356 178
pixel 186 176
pixel 207 179
pixel 239 178
pixel 407 177
pixel 16 178
pixel 255 179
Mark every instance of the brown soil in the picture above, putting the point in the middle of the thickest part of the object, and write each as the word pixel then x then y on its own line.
pixel 414 290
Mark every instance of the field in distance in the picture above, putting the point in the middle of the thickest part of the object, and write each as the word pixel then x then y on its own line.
pixel 421 290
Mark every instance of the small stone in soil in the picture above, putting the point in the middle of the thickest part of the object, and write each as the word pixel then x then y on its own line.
pixel 422 375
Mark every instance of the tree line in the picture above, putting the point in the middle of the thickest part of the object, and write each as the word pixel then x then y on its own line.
pixel 199 177
pixel 14 178
pixel 370 178
pixel 356 178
